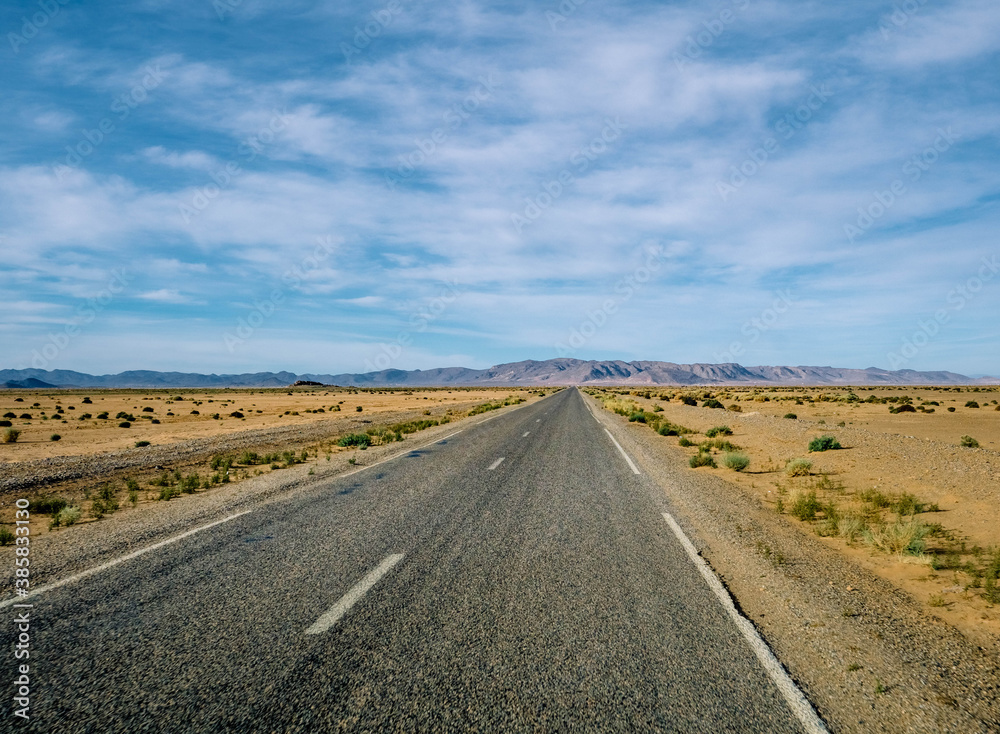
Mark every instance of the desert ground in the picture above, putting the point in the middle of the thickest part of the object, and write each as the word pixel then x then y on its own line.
pixel 903 496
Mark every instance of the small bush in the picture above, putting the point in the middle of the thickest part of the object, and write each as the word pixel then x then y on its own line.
pixel 688 400
pixel 248 458
pixel 25 416
pixel 5 424
pixel 355 439
pixel 88 401
pixel 359 409
pixel 713 403
pixel 6 536
pixel 638 417
pixel 140 444
pixel 791 416
pixel 66 516
pixel 103 416
pixel 798 468
pixel 701 459
pixel 147 409
pixel 972 404
pixel 902 536
pixel 804 506
pixel 951 409
pixel 719 431
pixel 668 429
pixel 47 505
pixel 11 435
pixel 735 461
pixel 190 484
pixel 55 437
pixel 10 415
pixel 124 424
pixel 824 443
pixel 735 408
pixel 968 442
pixel 905 408
pixel 236 414
pixel 685 442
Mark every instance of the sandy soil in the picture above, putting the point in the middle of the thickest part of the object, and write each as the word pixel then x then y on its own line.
pixel 916 453
pixel 177 420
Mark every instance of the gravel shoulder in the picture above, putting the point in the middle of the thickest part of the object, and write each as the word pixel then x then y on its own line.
pixel 869 656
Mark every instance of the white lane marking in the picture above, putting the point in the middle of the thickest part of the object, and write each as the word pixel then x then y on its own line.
pixel 352 597
pixel 495 464
pixel 116 561
pixel 631 465
pixel 525 434
pixel 796 700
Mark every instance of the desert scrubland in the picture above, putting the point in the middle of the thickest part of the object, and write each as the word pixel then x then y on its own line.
pixel 907 484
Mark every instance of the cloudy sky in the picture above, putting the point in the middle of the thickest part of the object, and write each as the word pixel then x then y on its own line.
pixel 238 185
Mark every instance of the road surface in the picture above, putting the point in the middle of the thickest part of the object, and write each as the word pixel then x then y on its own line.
pixel 518 575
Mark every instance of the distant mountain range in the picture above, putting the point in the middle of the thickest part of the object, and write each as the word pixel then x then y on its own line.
pixel 562 371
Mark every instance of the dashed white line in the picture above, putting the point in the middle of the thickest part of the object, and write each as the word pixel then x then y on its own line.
pixel 794 697
pixel 525 434
pixel 352 597
pixel 632 466
pixel 495 464
pixel 116 561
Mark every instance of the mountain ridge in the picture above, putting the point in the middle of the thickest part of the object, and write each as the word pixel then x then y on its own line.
pixel 559 371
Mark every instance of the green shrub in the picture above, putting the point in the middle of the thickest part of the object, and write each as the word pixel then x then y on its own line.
pixel 951 409
pixel 6 536
pixel 905 408
pixel 221 463
pixel 824 443
pixel 66 516
pixel 25 416
pixel 5 424
pixel 10 415
pixel 798 468
pixel 668 429
pixel 638 417
pixel 902 536
pixel 359 409
pixel 355 439
pixel 804 506
pixel 791 416
pixel 190 484
pixel 103 416
pixel 719 431
pixel 55 437
pixel 11 435
pixel 735 461
pixel 236 414
pixel 141 444
pixel 685 442
pixel 701 459
pixel 713 403
pixel 968 442
pixel 688 400
pixel 972 404
pixel 248 458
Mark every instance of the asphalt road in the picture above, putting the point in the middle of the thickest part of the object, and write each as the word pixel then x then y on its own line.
pixel 440 591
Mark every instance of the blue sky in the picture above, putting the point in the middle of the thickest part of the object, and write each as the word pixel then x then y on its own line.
pixel 236 186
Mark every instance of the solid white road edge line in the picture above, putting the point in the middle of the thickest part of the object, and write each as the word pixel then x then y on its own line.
pixel 116 561
pixel 352 597
pixel 495 464
pixel 796 700
pixel 632 466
